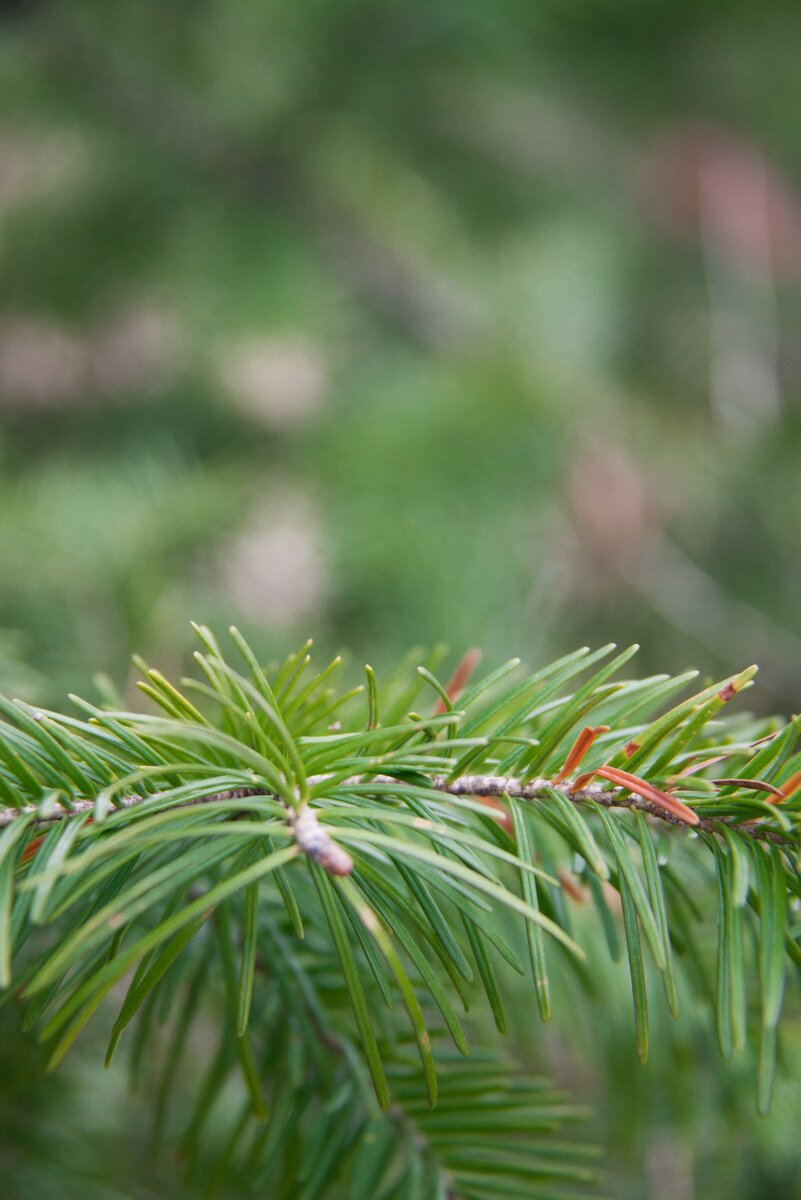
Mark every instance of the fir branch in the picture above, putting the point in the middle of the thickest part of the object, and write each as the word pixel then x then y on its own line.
pixel 484 786
pixel 384 837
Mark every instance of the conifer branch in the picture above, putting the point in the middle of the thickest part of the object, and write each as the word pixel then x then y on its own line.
pixel 375 849
pixel 312 839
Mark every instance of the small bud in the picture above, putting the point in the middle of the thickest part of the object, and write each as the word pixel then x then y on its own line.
pixel 313 840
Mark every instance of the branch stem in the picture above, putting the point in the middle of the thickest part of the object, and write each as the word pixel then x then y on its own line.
pixel 496 786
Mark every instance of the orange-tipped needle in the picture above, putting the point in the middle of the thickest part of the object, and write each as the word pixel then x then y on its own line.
pixel 499 812
pixel 31 849
pixel 579 749
pixel 787 789
pixel 648 791
pixel 459 679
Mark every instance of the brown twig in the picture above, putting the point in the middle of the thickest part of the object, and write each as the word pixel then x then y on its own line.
pixel 493 786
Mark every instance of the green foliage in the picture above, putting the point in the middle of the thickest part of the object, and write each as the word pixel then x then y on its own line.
pixel 395 321
pixel 440 214
pixel 316 870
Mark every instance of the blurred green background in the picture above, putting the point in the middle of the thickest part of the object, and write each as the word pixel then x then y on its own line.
pixel 395 324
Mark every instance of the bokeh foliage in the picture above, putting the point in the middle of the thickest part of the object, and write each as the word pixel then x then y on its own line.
pixel 385 322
